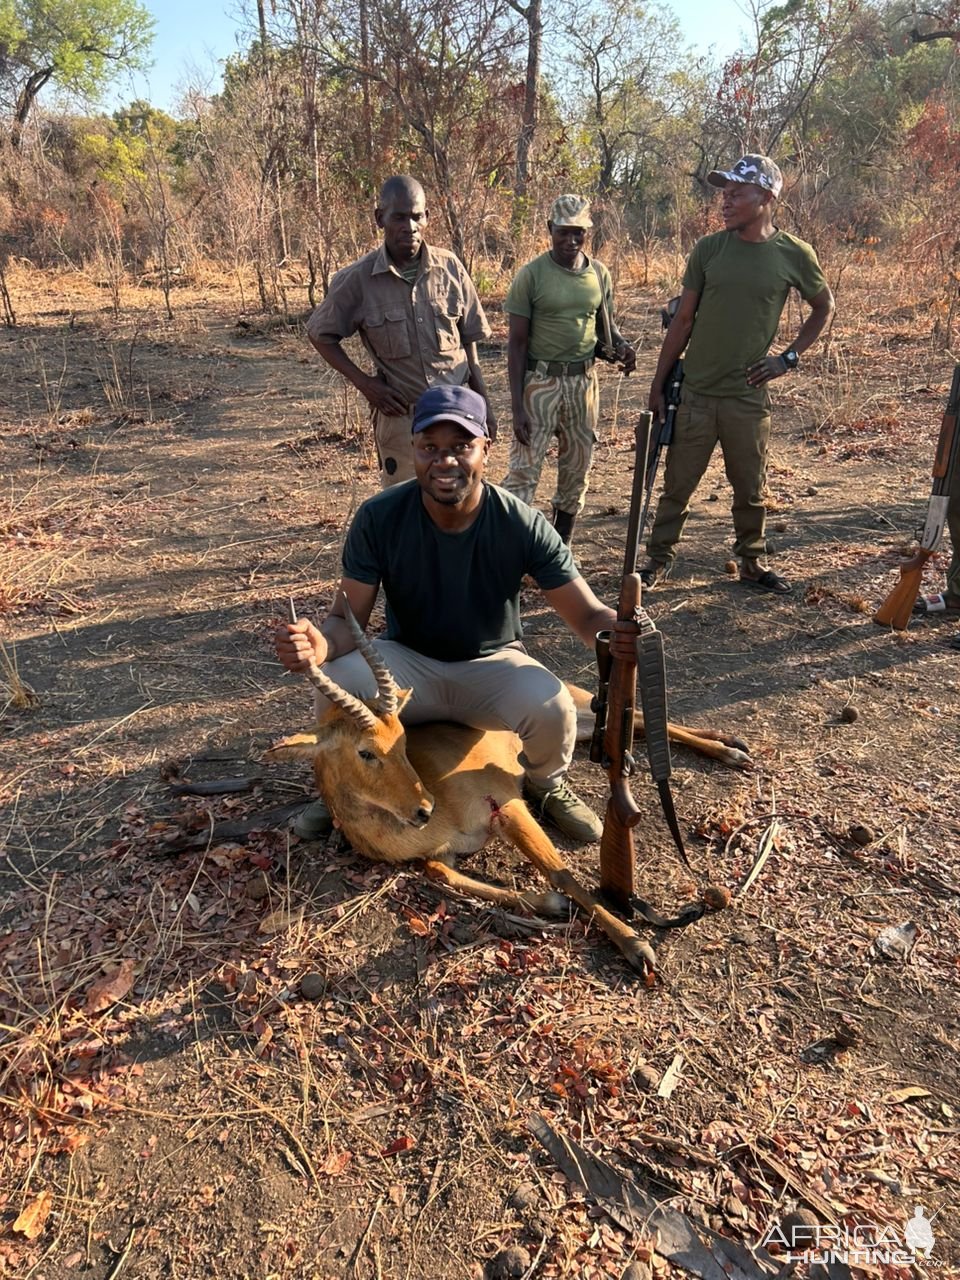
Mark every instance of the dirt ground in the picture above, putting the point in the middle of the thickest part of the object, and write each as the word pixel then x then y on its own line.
pixel 175 1105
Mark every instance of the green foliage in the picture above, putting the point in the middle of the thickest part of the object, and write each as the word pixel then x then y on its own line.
pixel 331 98
pixel 79 45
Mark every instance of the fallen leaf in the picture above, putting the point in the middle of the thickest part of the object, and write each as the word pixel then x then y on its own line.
pixel 108 990
pixel 671 1077
pixel 279 920
pixel 908 1093
pixel 336 1162
pixel 398 1145
pixel 897 941
pixel 31 1220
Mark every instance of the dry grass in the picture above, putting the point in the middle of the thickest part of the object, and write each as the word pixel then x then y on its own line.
pixel 167 1086
pixel 19 695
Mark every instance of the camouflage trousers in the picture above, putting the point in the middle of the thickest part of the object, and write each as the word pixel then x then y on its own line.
pixel 566 409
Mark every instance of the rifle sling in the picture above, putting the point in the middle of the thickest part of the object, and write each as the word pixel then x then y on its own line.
pixel 643 911
pixel 652 684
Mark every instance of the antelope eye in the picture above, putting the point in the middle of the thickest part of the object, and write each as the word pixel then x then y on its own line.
pixel 366 755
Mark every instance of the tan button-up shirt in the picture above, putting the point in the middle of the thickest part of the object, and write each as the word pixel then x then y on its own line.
pixel 415 334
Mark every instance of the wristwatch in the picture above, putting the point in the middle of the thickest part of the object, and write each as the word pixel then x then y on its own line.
pixel 790 358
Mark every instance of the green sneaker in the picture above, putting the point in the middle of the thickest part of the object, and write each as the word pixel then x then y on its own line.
pixel 315 822
pixel 566 811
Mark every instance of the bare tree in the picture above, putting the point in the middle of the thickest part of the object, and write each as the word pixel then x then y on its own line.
pixel 445 69
pixel 531 12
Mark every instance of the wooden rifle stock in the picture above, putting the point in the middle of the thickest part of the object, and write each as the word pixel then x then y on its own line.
pixel 617 855
pixel 897 608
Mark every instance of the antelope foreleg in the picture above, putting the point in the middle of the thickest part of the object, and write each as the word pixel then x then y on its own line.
pixel 514 822
pixel 541 904
pixel 722 747
pixel 718 746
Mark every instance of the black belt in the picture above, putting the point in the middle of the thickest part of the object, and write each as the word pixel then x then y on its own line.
pixel 561 368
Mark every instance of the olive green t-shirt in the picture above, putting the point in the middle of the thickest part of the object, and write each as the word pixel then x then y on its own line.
pixel 453 596
pixel 743 288
pixel 561 306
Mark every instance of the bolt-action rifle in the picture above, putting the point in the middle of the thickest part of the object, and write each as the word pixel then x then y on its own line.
pixel 898 606
pixel 615 705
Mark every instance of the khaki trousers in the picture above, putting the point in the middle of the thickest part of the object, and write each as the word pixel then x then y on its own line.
pixel 741 426
pixel 394 446
pixel 565 408
pixel 504 690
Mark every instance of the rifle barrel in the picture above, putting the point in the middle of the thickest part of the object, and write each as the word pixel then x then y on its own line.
pixel 947 457
pixel 635 522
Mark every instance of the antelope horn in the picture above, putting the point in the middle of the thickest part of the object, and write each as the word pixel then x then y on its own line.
pixel 387 690
pixel 354 708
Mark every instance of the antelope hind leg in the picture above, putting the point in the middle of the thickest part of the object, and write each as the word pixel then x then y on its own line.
pixel 541 904
pixel 514 822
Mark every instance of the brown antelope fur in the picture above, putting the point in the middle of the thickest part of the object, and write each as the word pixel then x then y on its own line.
pixel 433 791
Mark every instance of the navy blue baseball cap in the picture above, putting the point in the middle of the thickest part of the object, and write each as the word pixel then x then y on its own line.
pixel 451 404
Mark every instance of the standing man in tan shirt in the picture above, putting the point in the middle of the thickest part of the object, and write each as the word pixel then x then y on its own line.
pixel 418 315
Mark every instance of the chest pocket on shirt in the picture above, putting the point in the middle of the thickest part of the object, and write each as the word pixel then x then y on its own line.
pixel 447 308
pixel 387 333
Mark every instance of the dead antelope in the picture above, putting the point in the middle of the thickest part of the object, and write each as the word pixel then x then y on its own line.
pixel 437 790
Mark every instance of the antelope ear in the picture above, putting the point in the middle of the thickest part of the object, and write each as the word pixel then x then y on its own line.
pixel 403 697
pixel 299 746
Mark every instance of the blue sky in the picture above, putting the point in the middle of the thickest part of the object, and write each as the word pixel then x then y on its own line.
pixel 193 36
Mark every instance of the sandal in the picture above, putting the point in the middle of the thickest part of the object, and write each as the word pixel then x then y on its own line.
pixel 954 641
pixel 927 606
pixel 768 581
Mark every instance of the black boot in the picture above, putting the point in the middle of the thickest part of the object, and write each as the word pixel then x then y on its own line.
pixel 563 522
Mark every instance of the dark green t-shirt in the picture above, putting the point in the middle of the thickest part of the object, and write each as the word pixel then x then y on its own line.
pixel 743 287
pixel 453 596
pixel 561 306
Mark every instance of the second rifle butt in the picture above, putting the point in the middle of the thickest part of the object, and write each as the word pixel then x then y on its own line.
pixel 897 609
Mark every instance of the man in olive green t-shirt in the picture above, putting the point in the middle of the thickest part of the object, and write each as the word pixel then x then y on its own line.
pixel 557 304
pixel 734 290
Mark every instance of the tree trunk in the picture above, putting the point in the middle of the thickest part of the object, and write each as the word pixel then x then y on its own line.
pixel 520 217
pixel 365 88
pixel 441 167
pixel 9 317
pixel 25 101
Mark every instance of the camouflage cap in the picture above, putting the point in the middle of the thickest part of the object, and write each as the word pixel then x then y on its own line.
pixel 570 211
pixel 757 171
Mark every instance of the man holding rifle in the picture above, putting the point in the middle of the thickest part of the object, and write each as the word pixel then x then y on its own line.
pixel 943 510
pixel 734 290
pixel 559 305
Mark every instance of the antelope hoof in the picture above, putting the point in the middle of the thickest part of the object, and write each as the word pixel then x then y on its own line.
pixel 640 957
pixel 737 759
